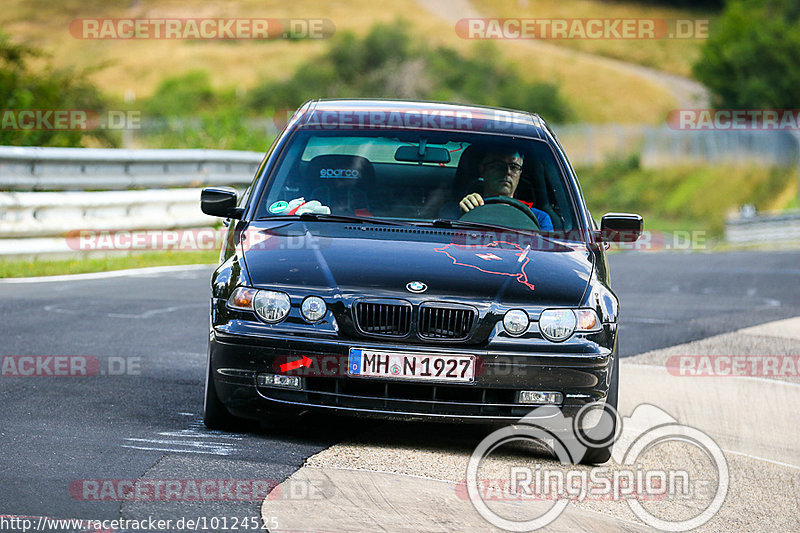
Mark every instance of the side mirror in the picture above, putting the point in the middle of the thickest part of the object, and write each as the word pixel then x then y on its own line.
pixel 220 202
pixel 621 227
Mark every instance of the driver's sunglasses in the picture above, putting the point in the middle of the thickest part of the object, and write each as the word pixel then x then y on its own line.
pixel 502 166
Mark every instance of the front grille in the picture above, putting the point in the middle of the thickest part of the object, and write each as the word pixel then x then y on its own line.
pixel 445 322
pixel 384 318
pixel 411 398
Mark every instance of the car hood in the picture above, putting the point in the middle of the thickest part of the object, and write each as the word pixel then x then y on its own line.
pixel 381 260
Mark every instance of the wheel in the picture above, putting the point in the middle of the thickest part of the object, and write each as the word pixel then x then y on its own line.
pixel 495 210
pixel 215 414
pixel 602 453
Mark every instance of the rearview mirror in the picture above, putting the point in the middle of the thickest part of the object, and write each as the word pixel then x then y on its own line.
pixel 621 227
pixel 430 154
pixel 220 202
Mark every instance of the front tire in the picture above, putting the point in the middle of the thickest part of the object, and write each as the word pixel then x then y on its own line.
pixel 215 414
pixel 601 454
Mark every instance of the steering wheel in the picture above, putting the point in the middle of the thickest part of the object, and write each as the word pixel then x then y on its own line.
pixel 494 211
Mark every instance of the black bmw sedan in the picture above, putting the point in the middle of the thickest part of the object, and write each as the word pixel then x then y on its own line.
pixel 412 260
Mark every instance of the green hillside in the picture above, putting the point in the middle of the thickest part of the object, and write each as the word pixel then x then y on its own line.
pixel 136 67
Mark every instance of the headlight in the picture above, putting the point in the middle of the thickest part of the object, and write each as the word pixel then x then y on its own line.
pixel 516 322
pixel 313 308
pixel 271 306
pixel 557 324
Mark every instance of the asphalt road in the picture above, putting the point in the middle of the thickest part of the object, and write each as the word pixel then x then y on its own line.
pixel 145 424
pixel 672 298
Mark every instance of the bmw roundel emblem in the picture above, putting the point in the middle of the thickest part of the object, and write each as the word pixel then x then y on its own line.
pixel 416 286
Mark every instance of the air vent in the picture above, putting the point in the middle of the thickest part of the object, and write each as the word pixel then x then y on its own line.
pixel 387 318
pixel 414 231
pixel 445 321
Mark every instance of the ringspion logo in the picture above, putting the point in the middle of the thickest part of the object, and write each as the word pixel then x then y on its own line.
pixel 630 480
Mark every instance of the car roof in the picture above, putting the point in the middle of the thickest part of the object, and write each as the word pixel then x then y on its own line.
pixel 415 114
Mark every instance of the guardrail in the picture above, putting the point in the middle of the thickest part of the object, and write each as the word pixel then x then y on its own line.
pixel 769 228
pixel 43 198
pixel 48 194
pixel 58 169
pixel 37 214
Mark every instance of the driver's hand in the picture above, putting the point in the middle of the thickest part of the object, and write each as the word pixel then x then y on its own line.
pixel 470 201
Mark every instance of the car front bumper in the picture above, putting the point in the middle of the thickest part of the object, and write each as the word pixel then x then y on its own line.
pixel 493 396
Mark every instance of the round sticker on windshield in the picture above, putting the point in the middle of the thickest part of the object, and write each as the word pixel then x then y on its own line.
pixel 278 207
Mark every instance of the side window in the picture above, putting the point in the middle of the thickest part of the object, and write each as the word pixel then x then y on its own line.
pixel 543 185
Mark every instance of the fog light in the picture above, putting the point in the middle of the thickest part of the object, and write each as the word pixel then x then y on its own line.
pixel 313 308
pixel 278 380
pixel 516 322
pixel 540 398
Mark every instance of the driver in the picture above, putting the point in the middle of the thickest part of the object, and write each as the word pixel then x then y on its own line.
pixel 499 172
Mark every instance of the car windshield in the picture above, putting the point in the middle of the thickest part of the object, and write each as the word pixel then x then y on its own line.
pixel 420 177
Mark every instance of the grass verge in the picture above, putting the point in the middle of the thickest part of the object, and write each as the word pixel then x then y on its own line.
pixel 686 197
pixel 81 265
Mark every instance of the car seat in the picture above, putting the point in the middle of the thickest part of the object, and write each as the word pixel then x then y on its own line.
pixel 342 182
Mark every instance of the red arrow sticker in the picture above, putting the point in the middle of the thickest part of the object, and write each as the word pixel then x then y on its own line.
pixel 305 361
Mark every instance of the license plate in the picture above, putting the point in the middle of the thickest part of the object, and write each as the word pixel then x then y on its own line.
pixel 421 367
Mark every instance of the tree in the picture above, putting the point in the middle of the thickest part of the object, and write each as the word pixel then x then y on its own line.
pixel 750 58
pixel 23 89
pixel 389 62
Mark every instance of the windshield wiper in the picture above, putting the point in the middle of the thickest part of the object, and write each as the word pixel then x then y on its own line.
pixel 321 217
pixel 468 224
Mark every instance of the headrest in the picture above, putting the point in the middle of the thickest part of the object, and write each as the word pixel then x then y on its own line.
pixel 466 176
